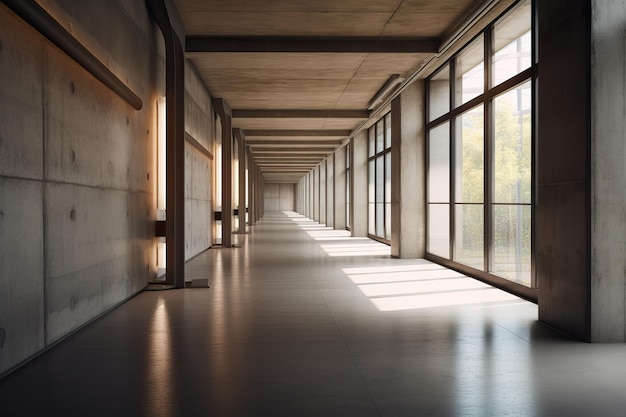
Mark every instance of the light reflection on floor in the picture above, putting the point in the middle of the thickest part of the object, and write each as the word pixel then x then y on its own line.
pixel 401 287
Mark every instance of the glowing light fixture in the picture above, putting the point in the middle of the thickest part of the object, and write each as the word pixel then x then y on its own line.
pixel 161 190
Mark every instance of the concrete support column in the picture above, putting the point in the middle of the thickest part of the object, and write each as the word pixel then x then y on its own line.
pixel 408 173
pixel 359 185
pixel 251 188
pixel 340 189
pixel 300 208
pixel 608 150
pixel 260 194
pixel 330 191
pixel 223 109
pixel 322 192
pixel 563 167
pixel 311 176
pixel 316 193
pixel 241 209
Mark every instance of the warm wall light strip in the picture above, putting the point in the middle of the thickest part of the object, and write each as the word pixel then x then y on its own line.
pixel 161 126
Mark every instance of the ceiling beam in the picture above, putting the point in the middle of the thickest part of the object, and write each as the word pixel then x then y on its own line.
pixel 304 133
pixel 290 151
pixel 299 114
pixel 261 160
pixel 310 44
pixel 299 143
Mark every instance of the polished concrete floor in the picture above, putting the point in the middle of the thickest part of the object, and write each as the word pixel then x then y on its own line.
pixel 301 320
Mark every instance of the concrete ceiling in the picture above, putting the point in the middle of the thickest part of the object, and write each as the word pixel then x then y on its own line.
pixel 300 74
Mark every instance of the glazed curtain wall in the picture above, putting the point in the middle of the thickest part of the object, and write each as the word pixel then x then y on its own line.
pixel 480 151
pixel 379 179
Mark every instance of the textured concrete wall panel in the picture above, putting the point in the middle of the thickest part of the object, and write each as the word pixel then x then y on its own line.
pixel 608 264
pixel 84 227
pixel 92 22
pixel 21 150
pixel 21 271
pixel 88 136
pixel 93 217
pixel 198 212
pixel 287 197
pixel 198 109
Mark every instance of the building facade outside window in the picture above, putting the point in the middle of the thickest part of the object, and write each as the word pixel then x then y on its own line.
pixel 480 135
pixel 379 180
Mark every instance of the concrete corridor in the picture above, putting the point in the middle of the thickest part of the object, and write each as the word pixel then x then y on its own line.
pixel 302 320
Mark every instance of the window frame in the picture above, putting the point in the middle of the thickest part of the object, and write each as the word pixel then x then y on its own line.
pixel 454 113
pixel 379 156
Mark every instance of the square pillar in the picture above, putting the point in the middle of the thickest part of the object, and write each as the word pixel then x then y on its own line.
pixel 359 185
pixel 330 191
pixel 340 189
pixel 408 173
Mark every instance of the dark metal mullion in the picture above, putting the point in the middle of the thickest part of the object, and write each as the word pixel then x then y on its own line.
pixel 489 94
pixel 488 161
pixel 384 171
pixel 533 148
pixel 427 167
pixel 452 152
pixel 382 156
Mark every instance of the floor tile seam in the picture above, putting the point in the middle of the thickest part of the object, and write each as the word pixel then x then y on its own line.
pixel 310 269
pixel 350 354
pixel 494 321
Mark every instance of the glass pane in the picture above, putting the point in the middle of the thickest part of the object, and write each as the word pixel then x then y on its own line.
pixel 371 149
pixel 348 173
pixel 380 135
pixel 380 220
pixel 469 235
pixel 388 131
pixel 388 221
pixel 388 177
pixel 439 230
pixel 439 93
pixel 371 196
pixel 469 159
pixel 380 180
pixel 511 242
pixel 371 215
pixel 513 146
pixel 512 43
pixel 470 72
pixel 439 164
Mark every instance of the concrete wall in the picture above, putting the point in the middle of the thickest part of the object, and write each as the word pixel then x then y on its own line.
pixel 563 183
pixel 408 169
pixel 340 189
pixel 280 197
pixel 199 127
pixel 77 173
pixel 608 223
pixel 322 192
pixel 359 185
pixel 330 191
pixel 316 193
pixel 198 219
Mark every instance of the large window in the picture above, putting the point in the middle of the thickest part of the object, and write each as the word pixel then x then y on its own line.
pixel 480 152
pixel 379 173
